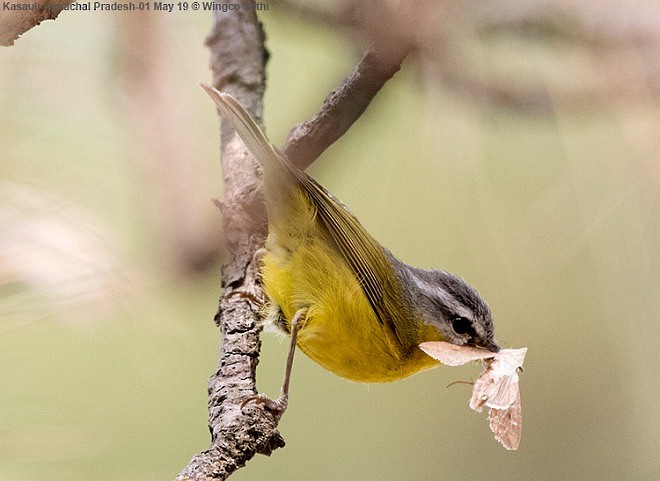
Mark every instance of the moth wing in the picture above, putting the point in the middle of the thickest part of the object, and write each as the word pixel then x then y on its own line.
pixel 504 393
pixel 508 361
pixel 506 424
pixel 493 390
pixel 453 355
pixel 481 391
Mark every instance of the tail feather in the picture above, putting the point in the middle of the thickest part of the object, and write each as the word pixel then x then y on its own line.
pixel 249 131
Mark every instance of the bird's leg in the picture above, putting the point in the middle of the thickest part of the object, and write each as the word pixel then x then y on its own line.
pixel 279 405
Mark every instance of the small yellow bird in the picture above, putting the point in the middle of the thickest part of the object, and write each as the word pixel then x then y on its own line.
pixel 347 302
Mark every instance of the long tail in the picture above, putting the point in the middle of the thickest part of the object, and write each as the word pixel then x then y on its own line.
pixel 249 131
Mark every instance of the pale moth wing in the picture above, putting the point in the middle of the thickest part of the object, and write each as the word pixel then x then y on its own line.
pixel 506 424
pixel 453 355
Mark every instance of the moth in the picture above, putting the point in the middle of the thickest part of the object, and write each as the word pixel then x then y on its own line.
pixel 496 387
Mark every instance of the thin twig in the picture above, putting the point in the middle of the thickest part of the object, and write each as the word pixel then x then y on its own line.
pixel 344 105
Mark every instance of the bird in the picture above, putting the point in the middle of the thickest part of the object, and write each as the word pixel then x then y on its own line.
pixel 346 301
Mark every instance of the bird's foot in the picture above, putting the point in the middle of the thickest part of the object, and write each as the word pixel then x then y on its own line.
pixel 275 406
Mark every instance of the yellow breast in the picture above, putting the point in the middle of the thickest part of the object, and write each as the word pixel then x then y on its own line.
pixel 341 331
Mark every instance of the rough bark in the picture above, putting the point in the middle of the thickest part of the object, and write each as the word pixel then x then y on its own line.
pixel 238 59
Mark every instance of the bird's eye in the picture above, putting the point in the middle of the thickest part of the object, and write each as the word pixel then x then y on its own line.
pixel 461 325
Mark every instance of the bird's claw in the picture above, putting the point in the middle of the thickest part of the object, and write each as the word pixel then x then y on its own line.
pixel 276 406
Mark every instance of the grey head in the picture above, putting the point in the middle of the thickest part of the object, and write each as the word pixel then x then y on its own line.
pixel 448 303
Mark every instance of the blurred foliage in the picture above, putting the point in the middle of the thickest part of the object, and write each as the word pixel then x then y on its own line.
pixel 554 218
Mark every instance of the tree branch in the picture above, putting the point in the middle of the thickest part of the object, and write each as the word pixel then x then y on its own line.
pixel 238 59
pixel 14 23
pixel 344 105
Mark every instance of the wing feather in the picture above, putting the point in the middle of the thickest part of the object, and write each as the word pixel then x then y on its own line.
pixel 366 259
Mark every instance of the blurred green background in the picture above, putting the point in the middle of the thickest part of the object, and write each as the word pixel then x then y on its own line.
pixel 106 330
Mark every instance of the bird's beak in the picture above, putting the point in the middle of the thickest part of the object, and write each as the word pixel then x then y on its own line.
pixel 492 346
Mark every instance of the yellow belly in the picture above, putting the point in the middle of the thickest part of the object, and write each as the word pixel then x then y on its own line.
pixel 341 331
